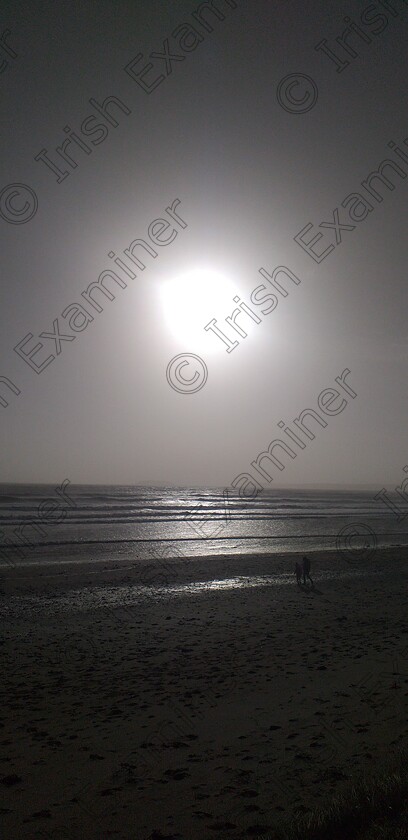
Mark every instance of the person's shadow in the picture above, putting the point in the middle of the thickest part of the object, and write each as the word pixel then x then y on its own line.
pixel 310 590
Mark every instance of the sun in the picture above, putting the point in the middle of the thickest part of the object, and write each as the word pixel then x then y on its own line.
pixel 189 302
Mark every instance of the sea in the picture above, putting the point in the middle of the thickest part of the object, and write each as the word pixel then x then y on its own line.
pixel 123 523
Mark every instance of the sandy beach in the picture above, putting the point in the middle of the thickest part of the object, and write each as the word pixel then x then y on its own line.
pixel 211 706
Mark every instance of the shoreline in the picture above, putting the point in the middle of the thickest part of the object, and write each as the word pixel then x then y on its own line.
pixel 65 574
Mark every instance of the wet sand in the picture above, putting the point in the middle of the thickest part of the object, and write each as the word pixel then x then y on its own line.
pixel 212 705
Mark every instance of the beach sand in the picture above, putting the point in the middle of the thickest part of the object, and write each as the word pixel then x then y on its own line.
pixel 212 710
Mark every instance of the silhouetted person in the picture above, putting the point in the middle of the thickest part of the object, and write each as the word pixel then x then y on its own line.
pixel 306 570
pixel 298 573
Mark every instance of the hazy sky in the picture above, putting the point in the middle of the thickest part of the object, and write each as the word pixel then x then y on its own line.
pixel 250 173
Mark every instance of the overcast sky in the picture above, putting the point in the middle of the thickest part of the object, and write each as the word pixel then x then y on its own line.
pixel 250 172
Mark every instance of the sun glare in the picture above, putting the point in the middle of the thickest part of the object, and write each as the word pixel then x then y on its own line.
pixel 191 300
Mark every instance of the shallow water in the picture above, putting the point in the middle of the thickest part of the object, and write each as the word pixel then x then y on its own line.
pixel 87 599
